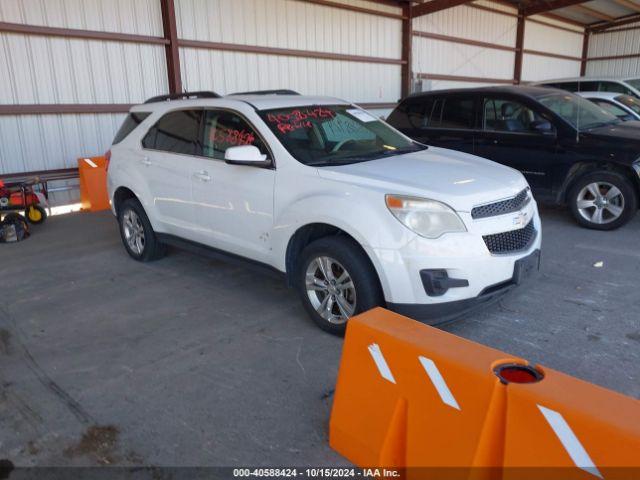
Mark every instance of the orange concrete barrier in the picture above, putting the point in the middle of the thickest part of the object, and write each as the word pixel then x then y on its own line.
pixel 414 397
pixel 93 183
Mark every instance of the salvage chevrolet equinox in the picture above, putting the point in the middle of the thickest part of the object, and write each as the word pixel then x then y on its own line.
pixel 354 213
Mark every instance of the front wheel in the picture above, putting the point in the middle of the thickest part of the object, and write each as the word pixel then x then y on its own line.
pixel 336 280
pixel 603 200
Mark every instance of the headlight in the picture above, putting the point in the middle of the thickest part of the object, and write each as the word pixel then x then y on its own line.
pixel 427 218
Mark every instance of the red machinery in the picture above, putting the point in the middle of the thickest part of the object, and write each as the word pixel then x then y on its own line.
pixel 28 197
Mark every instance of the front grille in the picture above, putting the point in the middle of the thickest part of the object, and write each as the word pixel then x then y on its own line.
pixel 503 207
pixel 513 241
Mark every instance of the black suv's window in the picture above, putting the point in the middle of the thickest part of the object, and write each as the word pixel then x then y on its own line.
pixel 578 111
pixel 457 112
pixel 413 113
pixel 506 115
pixel 223 129
pixel 129 125
pixel 176 132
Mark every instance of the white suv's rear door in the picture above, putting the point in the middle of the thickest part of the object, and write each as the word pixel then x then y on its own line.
pixel 168 160
pixel 235 203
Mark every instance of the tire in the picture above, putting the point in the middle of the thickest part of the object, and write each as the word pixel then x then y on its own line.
pixel 336 255
pixel 35 214
pixel 603 200
pixel 136 232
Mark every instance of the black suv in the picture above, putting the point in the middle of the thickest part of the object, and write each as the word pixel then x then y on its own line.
pixel 569 149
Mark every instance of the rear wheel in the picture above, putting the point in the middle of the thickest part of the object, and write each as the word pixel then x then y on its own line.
pixel 603 200
pixel 136 232
pixel 336 280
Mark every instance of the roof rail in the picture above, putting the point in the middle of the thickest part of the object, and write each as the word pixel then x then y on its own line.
pixel 182 96
pixel 268 92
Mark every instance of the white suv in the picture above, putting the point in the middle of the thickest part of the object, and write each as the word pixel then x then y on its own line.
pixel 354 213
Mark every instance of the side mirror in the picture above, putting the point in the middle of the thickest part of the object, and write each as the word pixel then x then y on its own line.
pixel 543 126
pixel 245 155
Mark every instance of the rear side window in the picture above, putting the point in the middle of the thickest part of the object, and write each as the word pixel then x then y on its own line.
pixel 457 112
pixel 176 132
pixel 129 125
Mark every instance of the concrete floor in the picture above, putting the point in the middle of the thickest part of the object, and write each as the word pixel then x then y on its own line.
pixel 189 361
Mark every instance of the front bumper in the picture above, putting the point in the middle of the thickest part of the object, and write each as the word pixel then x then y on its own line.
pixel 464 256
pixel 439 313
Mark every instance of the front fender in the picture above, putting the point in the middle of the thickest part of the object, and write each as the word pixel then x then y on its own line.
pixel 367 221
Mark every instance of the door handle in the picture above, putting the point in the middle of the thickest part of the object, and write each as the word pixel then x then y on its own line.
pixel 203 176
pixel 145 161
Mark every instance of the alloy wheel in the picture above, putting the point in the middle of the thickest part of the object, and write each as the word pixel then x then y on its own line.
pixel 600 203
pixel 133 231
pixel 330 289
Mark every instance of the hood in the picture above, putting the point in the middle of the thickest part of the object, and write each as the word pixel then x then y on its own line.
pixel 614 133
pixel 460 180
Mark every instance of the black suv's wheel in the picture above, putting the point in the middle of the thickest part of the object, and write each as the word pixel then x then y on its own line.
pixel 336 280
pixel 603 200
pixel 136 232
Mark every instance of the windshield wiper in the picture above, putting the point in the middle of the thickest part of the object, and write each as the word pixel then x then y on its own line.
pixel 365 156
pixel 401 151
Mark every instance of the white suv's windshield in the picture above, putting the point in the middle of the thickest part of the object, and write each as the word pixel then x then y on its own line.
pixel 632 102
pixel 578 111
pixel 635 83
pixel 335 134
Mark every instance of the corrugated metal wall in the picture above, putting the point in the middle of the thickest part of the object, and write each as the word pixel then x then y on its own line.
pixel 54 70
pixel 290 25
pixel 50 70
pixel 548 39
pixel 431 56
pixel 615 43
pixel 447 58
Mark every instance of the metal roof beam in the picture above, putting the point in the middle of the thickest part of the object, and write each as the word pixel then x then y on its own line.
pixel 594 13
pixel 435 6
pixel 628 4
pixel 603 26
pixel 548 5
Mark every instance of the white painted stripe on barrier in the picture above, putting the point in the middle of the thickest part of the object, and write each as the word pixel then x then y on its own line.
pixel 381 363
pixel 569 441
pixel 90 162
pixel 438 382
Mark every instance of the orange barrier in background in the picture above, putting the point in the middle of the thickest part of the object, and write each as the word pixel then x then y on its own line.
pixel 415 397
pixel 93 183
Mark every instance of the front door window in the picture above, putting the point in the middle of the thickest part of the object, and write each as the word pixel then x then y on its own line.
pixel 223 129
pixel 506 115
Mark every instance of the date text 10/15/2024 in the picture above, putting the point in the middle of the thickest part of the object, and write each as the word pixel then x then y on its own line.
pixel 321 472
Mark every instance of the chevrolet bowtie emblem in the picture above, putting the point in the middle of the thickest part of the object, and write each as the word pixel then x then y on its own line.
pixel 520 220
